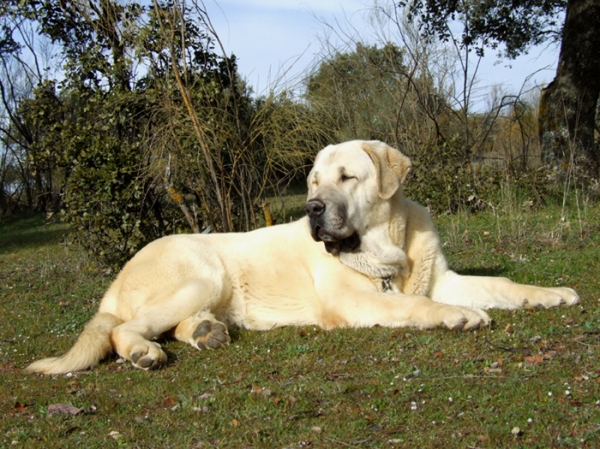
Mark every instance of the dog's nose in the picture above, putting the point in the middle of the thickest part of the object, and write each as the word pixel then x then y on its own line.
pixel 314 208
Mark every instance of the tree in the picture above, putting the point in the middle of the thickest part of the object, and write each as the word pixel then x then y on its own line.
pixel 28 172
pixel 363 93
pixel 568 104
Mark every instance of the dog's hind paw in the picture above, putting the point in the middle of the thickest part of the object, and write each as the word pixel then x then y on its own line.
pixel 148 356
pixel 211 335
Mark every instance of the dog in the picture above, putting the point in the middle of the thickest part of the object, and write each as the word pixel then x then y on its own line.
pixel 363 255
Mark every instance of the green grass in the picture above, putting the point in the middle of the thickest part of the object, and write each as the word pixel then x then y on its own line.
pixel 304 387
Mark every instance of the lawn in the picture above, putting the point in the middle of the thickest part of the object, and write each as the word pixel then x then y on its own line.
pixel 532 380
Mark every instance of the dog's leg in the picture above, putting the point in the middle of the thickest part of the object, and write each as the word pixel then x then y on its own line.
pixel 496 292
pixel 424 313
pixel 397 310
pixel 203 331
pixel 132 339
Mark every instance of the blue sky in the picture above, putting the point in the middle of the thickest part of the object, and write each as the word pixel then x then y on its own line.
pixel 272 36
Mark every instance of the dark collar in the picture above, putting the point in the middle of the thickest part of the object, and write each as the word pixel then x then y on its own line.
pixel 386 284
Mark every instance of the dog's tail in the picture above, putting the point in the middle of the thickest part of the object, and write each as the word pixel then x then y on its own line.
pixel 92 346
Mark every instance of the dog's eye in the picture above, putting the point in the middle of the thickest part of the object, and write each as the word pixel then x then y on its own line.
pixel 345 178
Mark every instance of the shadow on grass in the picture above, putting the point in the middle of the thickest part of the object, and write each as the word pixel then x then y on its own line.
pixel 29 230
pixel 491 271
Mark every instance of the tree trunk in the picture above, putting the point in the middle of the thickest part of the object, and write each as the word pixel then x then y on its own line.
pixel 568 104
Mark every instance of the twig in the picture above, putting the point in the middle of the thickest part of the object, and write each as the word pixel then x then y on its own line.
pixel 178 198
pixel 267 212
pixel 346 444
pixel 504 348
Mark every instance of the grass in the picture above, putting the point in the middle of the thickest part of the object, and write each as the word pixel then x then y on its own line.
pixel 538 371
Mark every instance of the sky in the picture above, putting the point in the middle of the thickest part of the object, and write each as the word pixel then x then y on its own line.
pixel 275 37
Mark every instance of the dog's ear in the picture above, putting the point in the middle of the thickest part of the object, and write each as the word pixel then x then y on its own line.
pixel 391 167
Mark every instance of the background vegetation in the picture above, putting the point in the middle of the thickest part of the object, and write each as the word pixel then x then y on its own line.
pixel 130 121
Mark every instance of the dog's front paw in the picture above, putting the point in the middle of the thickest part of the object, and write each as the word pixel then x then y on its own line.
pixel 463 318
pixel 568 296
pixel 545 298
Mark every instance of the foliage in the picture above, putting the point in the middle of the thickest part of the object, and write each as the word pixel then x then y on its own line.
pixel 27 175
pixel 290 133
pixel 515 24
pixel 443 181
pixel 357 92
pixel 91 125
pixel 226 149
pixel 568 104
pixel 115 207
pixel 144 127
pixel 378 93
pixel 179 146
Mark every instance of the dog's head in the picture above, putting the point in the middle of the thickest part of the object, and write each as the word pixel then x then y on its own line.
pixel 350 189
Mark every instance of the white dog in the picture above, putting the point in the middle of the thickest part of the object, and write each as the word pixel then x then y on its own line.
pixel 363 256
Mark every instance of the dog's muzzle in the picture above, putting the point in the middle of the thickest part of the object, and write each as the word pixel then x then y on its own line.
pixel 335 240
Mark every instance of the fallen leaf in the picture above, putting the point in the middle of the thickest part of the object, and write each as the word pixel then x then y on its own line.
pixel 63 409
pixel 7 368
pixel 19 408
pixel 397 333
pixel 169 401
pixel 235 423
pixel 534 359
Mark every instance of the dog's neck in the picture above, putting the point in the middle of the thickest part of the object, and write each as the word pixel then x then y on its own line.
pixel 382 252
pixel 374 265
pixel 377 256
